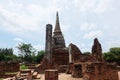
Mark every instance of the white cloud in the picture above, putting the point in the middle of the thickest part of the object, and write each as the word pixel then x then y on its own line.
pixel 93 34
pixel 24 18
pixel 87 26
pixel 18 39
pixel 64 27
pixel 103 6
pixel 94 6
pixel 17 22
pixel 28 18
pixel 85 5
pixel 1 7
pixel 113 43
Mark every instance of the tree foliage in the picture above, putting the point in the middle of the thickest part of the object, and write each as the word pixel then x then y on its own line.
pixel 6 51
pixel 113 55
pixel 26 52
pixel 6 54
pixel 40 56
pixel 87 53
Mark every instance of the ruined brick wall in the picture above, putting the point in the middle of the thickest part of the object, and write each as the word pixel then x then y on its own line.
pixel 77 56
pixel 99 71
pixel 60 56
pixel 51 74
pixel 75 53
pixel 86 58
pixel 70 68
pixel 112 72
pixel 1 69
pixel 9 66
pixel 77 70
pixel 12 66
pixel 97 50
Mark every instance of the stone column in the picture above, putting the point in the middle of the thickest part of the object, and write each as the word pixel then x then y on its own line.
pixel 48 45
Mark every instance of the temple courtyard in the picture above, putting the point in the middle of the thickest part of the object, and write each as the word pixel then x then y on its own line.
pixel 62 76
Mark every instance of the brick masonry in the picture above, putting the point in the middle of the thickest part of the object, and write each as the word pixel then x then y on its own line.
pixel 51 74
pixel 8 67
pixel 86 66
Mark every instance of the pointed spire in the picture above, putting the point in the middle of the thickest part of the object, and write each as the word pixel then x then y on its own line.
pixel 58 39
pixel 57 24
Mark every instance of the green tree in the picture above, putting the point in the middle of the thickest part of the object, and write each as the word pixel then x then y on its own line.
pixel 113 55
pixel 10 58
pixel 115 50
pixel 6 54
pixel 87 53
pixel 2 56
pixel 26 52
pixel 6 51
pixel 40 56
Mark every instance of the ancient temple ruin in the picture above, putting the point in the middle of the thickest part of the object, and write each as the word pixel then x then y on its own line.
pixel 56 52
pixel 72 61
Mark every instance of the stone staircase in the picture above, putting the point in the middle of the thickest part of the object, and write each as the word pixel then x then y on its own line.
pixel 29 74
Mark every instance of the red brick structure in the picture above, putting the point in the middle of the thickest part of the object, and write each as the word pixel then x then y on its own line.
pixel 97 50
pixel 99 71
pixel 92 66
pixel 70 68
pixel 11 66
pixel 60 56
pixel 77 70
pixel 8 67
pixel 2 69
pixel 51 74
pixel 75 53
pixel 71 60
pixel 56 53
pixel 77 56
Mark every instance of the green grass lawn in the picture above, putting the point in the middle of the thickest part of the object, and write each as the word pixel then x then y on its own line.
pixel 8 73
pixel 22 67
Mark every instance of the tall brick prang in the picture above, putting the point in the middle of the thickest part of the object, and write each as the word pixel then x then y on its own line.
pixel 58 39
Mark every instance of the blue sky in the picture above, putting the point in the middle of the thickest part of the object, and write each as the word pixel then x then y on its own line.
pixel 80 20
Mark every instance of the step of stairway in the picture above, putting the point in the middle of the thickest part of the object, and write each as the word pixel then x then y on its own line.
pixel 38 76
pixel 34 74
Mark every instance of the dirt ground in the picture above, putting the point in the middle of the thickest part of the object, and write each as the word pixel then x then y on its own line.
pixel 63 76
